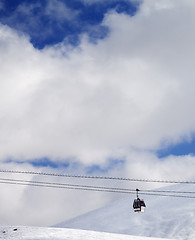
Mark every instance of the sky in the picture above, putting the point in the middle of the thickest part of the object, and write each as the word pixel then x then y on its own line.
pixel 93 87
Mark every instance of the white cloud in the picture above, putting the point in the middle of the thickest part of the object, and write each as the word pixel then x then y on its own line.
pixel 132 90
pixel 123 92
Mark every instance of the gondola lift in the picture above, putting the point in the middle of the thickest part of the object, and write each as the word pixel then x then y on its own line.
pixel 139 204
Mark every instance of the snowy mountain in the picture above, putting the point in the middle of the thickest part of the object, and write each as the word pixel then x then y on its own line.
pixel 165 217
pixel 35 233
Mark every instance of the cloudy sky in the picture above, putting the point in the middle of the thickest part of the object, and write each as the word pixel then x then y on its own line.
pixel 93 87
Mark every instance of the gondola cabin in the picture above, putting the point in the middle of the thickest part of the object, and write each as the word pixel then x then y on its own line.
pixel 138 204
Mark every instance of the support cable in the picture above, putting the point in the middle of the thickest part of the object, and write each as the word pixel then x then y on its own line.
pixel 97 177
pixel 95 188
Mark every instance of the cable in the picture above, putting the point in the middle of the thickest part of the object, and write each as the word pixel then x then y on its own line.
pixel 66 187
pixel 90 186
pixel 98 177
pixel 168 195
pixel 169 191
pixel 65 184
pixel 93 188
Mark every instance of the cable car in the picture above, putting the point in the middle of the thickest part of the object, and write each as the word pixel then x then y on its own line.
pixel 139 204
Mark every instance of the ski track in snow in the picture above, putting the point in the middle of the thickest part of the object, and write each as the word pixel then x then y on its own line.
pixel 38 233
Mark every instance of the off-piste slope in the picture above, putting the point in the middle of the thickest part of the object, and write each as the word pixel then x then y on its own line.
pixel 165 217
pixel 37 233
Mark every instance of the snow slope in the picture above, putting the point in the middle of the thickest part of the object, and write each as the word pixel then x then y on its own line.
pixel 165 217
pixel 35 233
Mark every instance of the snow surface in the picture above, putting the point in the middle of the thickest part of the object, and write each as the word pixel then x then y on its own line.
pixel 37 233
pixel 165 217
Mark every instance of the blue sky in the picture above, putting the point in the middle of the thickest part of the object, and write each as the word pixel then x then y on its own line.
pixel 181 149
pixel 41 20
